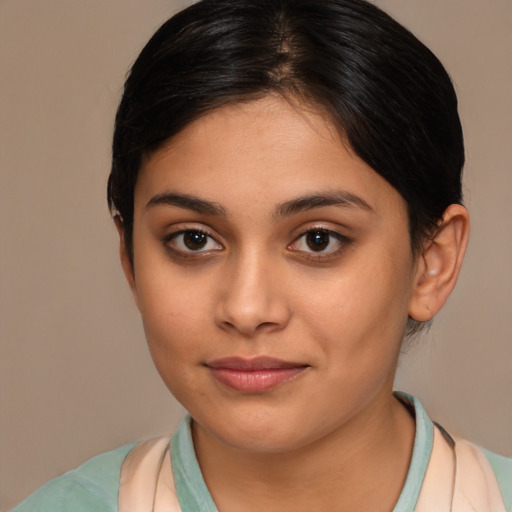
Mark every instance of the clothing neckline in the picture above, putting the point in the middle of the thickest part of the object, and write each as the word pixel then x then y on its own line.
pixel 193 494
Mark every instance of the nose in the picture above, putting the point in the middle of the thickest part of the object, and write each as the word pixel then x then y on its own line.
pixel 253 298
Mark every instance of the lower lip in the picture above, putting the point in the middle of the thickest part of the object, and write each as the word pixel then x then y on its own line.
pixel 256 381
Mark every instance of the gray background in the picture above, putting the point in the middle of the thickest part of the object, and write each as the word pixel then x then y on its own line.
pixel 76 378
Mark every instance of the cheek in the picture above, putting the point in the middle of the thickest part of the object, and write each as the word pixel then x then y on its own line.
pixel 171 301
pixel 174 309
pixel 365 308
pixel 172 318
pixel 174 327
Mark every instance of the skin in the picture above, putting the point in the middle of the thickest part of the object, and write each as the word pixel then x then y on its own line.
pixel 256 288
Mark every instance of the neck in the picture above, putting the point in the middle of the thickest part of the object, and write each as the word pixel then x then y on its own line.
pixel 372 451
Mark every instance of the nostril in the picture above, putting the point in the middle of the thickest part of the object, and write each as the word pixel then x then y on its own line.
pixel 251 299
pixel 268 326
pixel 252 320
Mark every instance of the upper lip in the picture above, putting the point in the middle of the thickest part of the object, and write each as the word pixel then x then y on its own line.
pixel 254 363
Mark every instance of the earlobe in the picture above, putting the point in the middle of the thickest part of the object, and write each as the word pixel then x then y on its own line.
pixel 126 262
pixel 439 264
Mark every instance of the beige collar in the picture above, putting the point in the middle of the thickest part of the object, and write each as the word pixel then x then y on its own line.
pixel 458 479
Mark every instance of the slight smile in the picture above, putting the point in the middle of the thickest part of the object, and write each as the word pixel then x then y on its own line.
pixel 255 375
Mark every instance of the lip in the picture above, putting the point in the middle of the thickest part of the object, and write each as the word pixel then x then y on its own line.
pixel 255 375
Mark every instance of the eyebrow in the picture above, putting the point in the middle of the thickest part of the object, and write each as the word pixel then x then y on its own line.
pixel 296 205
pixel 188 202
pixel 320 200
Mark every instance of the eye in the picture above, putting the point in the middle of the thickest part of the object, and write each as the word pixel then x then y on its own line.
pixel 192 240
pixel 321 241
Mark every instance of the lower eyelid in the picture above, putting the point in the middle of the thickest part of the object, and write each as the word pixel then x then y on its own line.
pixel 342 240
pixel 168 239
pixel 342 243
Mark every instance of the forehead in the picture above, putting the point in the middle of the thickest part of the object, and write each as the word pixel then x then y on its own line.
pixel 263 151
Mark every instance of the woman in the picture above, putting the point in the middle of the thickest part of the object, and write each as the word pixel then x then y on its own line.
pixel 286 187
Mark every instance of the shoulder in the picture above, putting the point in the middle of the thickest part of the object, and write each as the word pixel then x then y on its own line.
pixel 502 467
pixel 93 486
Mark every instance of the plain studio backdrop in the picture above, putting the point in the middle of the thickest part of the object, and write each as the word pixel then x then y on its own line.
pixel 76 377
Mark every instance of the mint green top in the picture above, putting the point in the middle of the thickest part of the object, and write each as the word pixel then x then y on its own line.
pixel 94 486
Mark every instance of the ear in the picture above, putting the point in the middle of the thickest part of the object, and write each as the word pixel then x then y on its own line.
pixel 126 263
pixel 439 264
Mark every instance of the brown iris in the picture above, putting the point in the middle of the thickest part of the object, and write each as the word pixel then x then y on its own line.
pixel 195 240
pixel 317 240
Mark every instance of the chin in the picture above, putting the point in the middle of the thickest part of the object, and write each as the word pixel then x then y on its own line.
pixel 257 429
pixel 258 441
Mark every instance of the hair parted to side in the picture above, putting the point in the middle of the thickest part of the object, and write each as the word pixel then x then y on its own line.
pixel 385 91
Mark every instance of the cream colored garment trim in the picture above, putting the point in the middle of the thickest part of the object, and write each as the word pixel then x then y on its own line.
pixel 476 487
pixel 459 480
pixel 147 483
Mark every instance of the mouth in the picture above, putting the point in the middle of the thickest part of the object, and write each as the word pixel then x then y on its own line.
pixel 255 375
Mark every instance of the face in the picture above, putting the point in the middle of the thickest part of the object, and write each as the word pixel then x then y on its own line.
pixel 273 273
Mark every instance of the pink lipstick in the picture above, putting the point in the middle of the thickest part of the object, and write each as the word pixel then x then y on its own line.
pixel 255 375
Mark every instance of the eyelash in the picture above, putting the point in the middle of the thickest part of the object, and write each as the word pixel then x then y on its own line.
pixel 341 240
pixel 183 252
pixel 170 243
